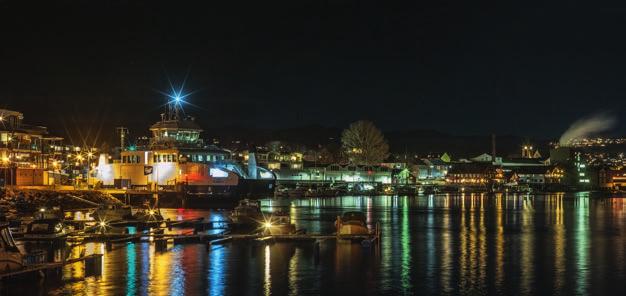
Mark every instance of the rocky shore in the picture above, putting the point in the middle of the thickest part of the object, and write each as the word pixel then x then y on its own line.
pixel 29 200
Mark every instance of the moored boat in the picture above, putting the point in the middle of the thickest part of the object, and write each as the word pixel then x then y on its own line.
pixel 279 223
pixel 111 212
pixel 352 223
pixel 45 229
pixel 149 216
pixel 11 259
pixel 248 212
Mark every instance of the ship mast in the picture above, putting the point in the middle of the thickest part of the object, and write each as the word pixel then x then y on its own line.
pixel 173 109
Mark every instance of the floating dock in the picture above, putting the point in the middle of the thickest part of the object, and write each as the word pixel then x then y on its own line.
pixel 93 266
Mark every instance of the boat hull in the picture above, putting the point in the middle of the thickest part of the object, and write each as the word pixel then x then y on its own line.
pixel 348 229
pixel 10 261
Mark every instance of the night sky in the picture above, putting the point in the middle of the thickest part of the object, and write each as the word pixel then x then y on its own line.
pixel 463 67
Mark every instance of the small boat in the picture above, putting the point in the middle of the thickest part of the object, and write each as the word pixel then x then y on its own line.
pixel 296 193
pixel 11 259
pixel 281 191
pixel 111 212
pixel 149 216
pixel 352 223
pixel 45 229
pixel 279 223
pixel 248 212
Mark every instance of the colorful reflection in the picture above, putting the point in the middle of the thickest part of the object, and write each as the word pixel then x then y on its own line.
pixel 450 244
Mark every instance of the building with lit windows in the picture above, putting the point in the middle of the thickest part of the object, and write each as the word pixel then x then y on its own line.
pixel 338 173
pixel 575 170
pixel 28 153
pixel 275 160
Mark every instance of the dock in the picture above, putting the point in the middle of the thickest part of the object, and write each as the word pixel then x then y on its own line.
pixel 93 265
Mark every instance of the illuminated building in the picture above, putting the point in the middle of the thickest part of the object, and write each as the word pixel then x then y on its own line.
pixel 575 171
pixel 338 173
pixel 275 160
pixel 471 174
pixel 27 152
pixel 537 175
pixel 612 178
pixel 431 169
pixel 528 151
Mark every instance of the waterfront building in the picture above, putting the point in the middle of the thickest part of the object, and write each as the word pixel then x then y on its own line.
pixel 431 169
pixel 28 154
pixel 536 175
pixel 612 178
pixel 276 160
pixel 339 173
pixel 473 174
pixel 576 172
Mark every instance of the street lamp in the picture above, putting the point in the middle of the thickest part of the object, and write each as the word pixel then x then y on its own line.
pixel 89 155
pixel 55 166
pixel 5 162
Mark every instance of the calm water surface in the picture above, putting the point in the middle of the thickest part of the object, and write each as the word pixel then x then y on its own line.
pixel 559 244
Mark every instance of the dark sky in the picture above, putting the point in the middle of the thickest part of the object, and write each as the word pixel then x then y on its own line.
pixel 463 67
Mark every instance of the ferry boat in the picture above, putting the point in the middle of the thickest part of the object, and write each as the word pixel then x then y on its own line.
pixel 176 159
pixel 11 259
pixel 279 223
pixel 352 223
pixel 248 213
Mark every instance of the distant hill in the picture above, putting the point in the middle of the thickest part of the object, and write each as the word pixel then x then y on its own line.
pixel 410 141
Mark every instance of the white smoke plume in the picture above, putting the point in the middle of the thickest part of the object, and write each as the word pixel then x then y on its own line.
pixel 587 126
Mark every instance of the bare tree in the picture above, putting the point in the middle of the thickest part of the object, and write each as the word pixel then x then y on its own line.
pixel 363 143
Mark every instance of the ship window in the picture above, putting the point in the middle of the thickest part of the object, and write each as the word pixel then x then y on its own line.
pixel 200 158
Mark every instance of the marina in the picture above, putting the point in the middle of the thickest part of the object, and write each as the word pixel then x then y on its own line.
pixel 312 148
pixel 423 233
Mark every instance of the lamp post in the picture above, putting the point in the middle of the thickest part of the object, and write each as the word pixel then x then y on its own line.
pixel 5 162
pixel 55 166
pixel 89 155
pixel 78 164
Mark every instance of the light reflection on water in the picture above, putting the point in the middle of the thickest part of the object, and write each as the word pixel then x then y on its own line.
pixel 445 244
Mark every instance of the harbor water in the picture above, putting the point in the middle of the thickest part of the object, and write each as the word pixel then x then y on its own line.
pixel 466 244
